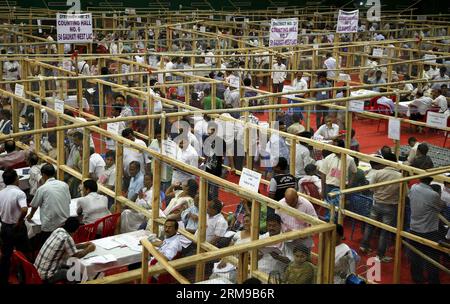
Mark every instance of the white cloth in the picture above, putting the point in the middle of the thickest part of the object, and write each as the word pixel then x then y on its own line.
pixel 12 199
pixel 344 262
pixel 310 178
pixel 422 103
pixel 35 177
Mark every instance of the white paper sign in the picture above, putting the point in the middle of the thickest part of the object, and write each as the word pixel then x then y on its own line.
pixel 394 129
pixel 227 18
pixel 138 19
pixel 130 11
pixel 437 120
pixel 280 9
pixel 59 105
pixel 356 106
pixel 235 82
pixel 113 127
pixel 347 22
pixel 203 29
pixel 211 17
pixel 283 32
pixel 19 90
pixel 39 23
pixel 169 148
pixel 158 22
pixel 74 28
pixel 67 64
pixel 377 52
pixel 250 180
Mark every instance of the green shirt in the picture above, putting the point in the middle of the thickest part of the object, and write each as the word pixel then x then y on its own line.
pixel 207 103
pixel 300 274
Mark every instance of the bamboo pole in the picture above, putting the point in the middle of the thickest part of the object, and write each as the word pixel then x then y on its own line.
pixel 398 238
pixel 201 230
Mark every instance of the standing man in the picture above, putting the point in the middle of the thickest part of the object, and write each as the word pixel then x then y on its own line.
pixel 13 233
pixel 278 78
pixel 384 208
pixel 53 201
pixel 280 182
pixel 426 204
pixel 330 64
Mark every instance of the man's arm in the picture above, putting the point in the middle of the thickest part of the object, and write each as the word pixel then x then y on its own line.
pixel 88 249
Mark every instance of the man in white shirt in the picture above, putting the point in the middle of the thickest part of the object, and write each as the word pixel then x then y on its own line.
pixel 188 155
pixel 96 165
pixel 131 154
pixel 170 66
pixel 444 79
pixel 302 158
pixel 92 206
pixel 330 171
pixel 209 60
pixel 274 258
pixel 13 209
pixel 413 144
pixel 53 200
pixel 216 225
pixel 439 100
pixel 173 242
pixel 330 64
pixel 328 131
pixel 419 106
pixel 278 78
pixel 115 127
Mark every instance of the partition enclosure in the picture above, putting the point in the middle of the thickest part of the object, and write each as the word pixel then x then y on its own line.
pixel 20 32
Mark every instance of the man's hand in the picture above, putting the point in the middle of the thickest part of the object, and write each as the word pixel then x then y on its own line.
pixel 29 217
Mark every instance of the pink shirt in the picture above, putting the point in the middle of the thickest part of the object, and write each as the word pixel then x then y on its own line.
pixel 291 223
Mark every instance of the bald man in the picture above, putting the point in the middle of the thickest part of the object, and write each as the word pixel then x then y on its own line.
pixel 290 223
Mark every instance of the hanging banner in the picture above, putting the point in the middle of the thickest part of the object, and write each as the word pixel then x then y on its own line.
pixel 283 32
pixel 74 28
pixel 347 22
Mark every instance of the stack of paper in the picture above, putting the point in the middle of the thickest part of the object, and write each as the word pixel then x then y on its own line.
pixel 101 259
pixel 107 243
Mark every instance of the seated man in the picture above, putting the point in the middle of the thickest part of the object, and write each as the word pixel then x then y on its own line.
pixel 12 157
pixel 92 206
pixel 328 131
pixel 50 262
pixel 173 242
pixel 216 224
pixel 419 106
pixel 273 259
pixel 345 258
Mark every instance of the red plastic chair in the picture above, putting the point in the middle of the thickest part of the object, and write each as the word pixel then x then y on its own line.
pixel 85 233
pixel 30 272
pixel 109 224
pixel 385 110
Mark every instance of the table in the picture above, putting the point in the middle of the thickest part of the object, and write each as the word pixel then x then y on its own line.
pixel 34 227
pixel 403 107
pixel 124 254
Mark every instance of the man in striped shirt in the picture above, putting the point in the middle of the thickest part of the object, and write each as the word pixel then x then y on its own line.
pixel 50 262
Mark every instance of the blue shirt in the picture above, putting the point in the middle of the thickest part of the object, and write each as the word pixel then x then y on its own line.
pixel 136 184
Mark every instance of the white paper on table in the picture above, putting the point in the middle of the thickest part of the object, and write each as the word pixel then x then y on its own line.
pixel 228 267
pixel 107 243
pixel 394 129
pixel 101 259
